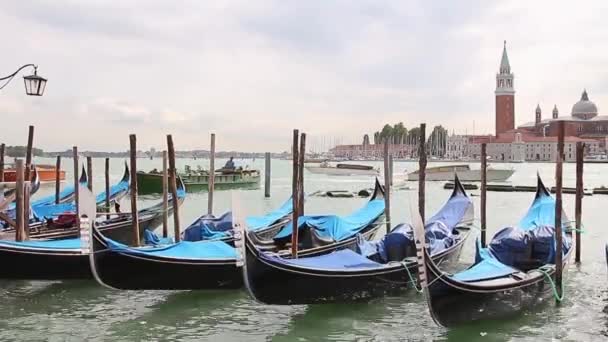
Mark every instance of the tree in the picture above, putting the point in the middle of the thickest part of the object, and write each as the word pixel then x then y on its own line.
pixel 437 141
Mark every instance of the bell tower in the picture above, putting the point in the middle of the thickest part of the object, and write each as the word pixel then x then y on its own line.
pixel 505 95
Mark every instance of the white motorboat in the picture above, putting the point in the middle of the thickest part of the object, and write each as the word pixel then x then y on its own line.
pixel 344 170
pixel 464 172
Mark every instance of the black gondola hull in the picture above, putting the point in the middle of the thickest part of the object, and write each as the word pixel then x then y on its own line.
pixel 129 271
pixel 38 264
pixel 454 303
pixel 277 283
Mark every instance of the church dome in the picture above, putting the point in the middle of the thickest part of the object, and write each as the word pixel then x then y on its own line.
pixel 584 109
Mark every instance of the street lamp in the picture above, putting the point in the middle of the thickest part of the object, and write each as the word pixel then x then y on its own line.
pixel 34 84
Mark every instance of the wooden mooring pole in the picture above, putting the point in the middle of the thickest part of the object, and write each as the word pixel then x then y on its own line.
pixel 421 170
pixel 267 174
pixel 483 199
pixel 2 146
pixel 165 196
pixel 390 168
pixel 26 209
pixel 387 187
pixel 133 190
pixel 90 173
pixel 106 177
pixel 58 180
pixel 19 205
pixel 294 193
pixel 558 208
pixel 173 188
pixel 301 158
pixel 76 181
pixel 578 206
pixel 28 152
pixel 211 183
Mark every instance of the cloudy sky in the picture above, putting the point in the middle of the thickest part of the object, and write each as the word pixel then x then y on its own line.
pixel 251 71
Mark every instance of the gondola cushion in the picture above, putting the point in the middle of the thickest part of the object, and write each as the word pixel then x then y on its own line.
pixel 511 246
pixel 335 261
pixel 209 227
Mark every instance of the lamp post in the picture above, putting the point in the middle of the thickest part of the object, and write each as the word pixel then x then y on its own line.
pixel 34 84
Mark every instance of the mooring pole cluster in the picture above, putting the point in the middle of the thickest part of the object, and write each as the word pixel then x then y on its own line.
pixel 387 186
pixel 558 208
pixel 297 185
pixel 483 199
pixel 421 170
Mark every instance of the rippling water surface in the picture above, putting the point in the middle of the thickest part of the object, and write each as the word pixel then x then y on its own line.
pixel 79 310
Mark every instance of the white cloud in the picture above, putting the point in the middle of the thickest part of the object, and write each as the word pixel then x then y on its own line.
pixel 252 71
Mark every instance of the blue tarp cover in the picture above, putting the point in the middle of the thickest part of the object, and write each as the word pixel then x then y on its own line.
pixel 52 210
pixel 48 244
pixel 541 213
pixel 209 227
pixel 533 240
pixel 336 227
pixel 438 230
pixel 338 260
pixel 259 222
pixel 487 268
pixel 50 199
pixel 151 239
pixel 186 250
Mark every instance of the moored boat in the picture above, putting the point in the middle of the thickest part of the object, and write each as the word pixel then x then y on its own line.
pixel 343 169
pixel 373 269
pixel 464 172
pixel 59 254
pixel 513 273
pixel 213 264
pixel 197 180
pixel 46 174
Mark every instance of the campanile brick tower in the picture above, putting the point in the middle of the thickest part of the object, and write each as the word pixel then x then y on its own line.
pixel 505 96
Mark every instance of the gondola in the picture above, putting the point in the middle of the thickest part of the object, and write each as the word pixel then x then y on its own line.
pixel 66 195
pixel 118 225
pixel 209 264
pixel 117 192
pixel 61 255
pixel 45 218
pixel 512 274
pixel 210 227
pixel 320 234
pixel 374 269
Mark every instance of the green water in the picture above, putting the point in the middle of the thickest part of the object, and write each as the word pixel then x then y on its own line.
pixel 82 310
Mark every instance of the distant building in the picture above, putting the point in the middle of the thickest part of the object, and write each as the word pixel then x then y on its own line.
pixel 505 95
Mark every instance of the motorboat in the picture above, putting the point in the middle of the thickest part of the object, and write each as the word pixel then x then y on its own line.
pixel 464 172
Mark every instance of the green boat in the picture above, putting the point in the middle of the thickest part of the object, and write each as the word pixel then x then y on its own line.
pixel 198 180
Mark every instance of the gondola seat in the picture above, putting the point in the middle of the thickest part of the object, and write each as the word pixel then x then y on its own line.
pixel 335 261
pixel 487 267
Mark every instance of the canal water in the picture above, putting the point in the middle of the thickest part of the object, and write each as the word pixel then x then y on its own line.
pixel 82 310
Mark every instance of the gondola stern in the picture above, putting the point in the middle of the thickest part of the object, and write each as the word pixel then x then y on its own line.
pixel 35 182
pixel 83 176
pixel 541 189
pixel 126 176
pixel 379 190
pixel 458 187
pixel 426 267
pixel 93 243
pixel 243 245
